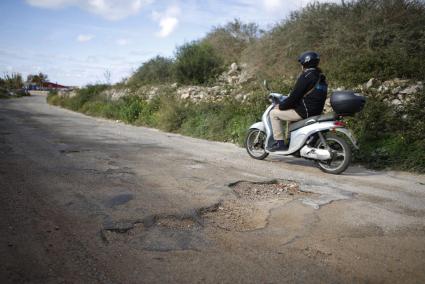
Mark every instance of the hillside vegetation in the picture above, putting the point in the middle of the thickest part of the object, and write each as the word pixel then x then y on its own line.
pixel 357 40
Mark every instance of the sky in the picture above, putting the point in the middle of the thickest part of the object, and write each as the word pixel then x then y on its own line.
pixel 79 42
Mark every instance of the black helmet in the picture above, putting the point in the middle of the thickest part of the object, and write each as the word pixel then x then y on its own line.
pixel 309 59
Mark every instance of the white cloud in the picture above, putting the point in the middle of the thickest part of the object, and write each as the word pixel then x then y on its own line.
pixel 122 41
pixel 167 20
pixel 109 9
pixel 84 38
pixel 272 5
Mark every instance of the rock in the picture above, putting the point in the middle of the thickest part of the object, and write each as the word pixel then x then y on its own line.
pixel 202 95
pixel 395 83
pixel 245 77
pixel 153 91
pixel 401 82
pixel 232 80
pixel 233 69
pixel 185 96
pixel 371 83
pixel 215 90
pixel 396 90
pixel 174 85
pixel 383 89
pixel 412 90
pixel 396 102
pixel 116 94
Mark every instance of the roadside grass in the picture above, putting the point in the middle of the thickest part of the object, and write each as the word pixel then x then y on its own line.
pixel 225 120
pixel 388 137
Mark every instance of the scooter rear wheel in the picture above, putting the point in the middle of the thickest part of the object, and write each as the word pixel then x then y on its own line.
pixel 340 152
pixel 255 144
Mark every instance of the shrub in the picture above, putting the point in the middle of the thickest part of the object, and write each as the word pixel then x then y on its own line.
pixel 197 63
pixel 131 107
pixel 89 93
pixel 12 81
pixel 391 137
pixel 171 114
pixel 155 71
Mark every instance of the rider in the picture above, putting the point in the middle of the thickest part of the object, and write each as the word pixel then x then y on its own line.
pixel 306 99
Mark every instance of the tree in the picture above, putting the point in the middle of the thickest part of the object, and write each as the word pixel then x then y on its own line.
pixel 38 79
pixel 12 82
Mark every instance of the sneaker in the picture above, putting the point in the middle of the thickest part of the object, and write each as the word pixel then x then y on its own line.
pixel 278 146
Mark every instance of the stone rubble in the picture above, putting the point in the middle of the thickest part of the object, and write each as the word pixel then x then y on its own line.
pixel 396 92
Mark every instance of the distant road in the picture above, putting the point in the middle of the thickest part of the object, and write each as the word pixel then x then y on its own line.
pixel 38 93
pixel 86 200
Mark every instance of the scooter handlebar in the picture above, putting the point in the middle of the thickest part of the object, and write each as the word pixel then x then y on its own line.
pixel 277 98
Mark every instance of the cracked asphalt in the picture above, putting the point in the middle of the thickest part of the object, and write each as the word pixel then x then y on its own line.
pixel 87 200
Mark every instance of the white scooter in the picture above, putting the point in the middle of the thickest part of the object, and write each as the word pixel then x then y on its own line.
pixel 321 138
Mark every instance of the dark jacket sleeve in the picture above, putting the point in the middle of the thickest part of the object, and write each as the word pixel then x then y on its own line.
pixel 302 86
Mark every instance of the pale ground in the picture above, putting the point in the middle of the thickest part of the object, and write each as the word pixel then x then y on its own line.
pixel 88 200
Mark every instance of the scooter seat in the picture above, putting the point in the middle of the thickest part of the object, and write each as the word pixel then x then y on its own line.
pixel 312 119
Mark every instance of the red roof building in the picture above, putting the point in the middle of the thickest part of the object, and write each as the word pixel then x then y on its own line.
pixel 50 85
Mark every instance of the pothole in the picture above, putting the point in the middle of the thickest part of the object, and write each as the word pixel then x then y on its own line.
pixel 275 189
pixel 126 229
pixel 247 210
pixel 157 233
pixel 121 232
pixel 171 222
pixel 233 215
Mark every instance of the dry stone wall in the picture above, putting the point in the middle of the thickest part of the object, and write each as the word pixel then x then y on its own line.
pixel 396 92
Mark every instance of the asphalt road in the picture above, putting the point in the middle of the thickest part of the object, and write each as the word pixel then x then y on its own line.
pixel 86 200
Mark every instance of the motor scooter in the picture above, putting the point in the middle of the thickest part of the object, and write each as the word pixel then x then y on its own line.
pixel 323 138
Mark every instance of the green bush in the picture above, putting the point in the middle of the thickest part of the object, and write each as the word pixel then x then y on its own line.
pixel 197 63
pixel 12 81
pixel 155 71
pixel 131 107
pixel 391 137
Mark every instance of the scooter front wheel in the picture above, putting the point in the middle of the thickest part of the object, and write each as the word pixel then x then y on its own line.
pixel 255 144
pixel 340 154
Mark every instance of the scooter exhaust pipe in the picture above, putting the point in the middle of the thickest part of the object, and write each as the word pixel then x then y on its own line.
pixel 315 153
